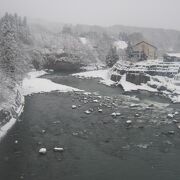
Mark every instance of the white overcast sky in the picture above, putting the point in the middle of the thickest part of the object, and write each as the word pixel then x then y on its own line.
pixel 146 13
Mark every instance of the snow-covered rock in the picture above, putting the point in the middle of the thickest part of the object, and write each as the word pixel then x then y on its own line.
pixel 58 149
pixel 42 151
pixel 176 113
pixel 87 112
pixel 178 125
pixel 118 114
pixel 128 122
pixel 171 132
pixel 137 115
pixel 43 131
pixel 170 116
pixel 143 146
pixel 134 105
pixel 74 106
pixel 113 114
pixel 16 142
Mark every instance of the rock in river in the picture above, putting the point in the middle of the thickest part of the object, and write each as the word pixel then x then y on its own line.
pixel 58 149
pixel 74 106
pixel 43 151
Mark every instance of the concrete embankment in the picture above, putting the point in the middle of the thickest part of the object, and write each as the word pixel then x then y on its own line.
pixel 8 117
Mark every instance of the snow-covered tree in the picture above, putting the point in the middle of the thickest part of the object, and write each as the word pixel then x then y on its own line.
pixel 8 45
pixel 112 57
pixel 12 60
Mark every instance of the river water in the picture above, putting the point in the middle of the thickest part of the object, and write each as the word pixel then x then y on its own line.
pixel 96 146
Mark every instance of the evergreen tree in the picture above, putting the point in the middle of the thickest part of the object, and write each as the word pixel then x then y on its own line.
pixel 129 51
pixel 112 57
pixel 11 53
pixel 8 46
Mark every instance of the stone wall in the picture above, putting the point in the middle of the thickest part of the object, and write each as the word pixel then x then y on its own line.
pixel 137 78
pixel 115 77
pixel 13 112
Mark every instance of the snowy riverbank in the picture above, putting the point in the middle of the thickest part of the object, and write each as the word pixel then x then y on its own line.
pixel 158 84
pixel 34 84
pixel 103 76
pixel 30 85
pixel 14 112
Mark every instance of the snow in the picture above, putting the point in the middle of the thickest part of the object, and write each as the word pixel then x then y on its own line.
pixel 94 66
pixel 171 91
pixel 87 112
pixel 58 149
pixel 34 74
pixel 170 115
pixel 42 151
pixel 100 110
pixel 170 87
pixel 74 106
pixel 120 44
pixel 4 129
pixel 33 84
pixel 128 122
pixel 104 76
pixel 156 66
pixel 174 54
pixel 128 86
pixel 83 40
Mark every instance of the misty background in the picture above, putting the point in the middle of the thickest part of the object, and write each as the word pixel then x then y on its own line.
pixel 143 13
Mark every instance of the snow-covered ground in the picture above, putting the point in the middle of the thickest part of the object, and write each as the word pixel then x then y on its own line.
pixel 157 84
pixel 30 85
pixel 170 87
pixel 93 66
pixel 153 66
pixel 120 44
pixel 174 55
pixel 6 127
pixel 34 84
pixel 103 75
pixel 128 86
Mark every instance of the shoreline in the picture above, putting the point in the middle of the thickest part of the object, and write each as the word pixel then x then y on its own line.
pixel 15 112
pixel 29 86
pixel 33 84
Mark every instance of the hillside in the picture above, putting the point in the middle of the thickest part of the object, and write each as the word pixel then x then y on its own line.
pixel 164 39
pixel 40 44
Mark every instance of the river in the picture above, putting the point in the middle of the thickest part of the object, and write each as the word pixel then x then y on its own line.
pixel 96 146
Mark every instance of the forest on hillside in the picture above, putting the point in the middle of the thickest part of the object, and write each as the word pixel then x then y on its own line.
pixel 33 44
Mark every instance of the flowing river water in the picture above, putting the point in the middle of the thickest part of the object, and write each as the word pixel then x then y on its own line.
pixel 96 146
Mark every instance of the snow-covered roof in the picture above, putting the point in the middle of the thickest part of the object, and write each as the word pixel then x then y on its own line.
pixel 146 43
pixel 173 54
